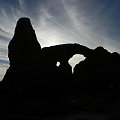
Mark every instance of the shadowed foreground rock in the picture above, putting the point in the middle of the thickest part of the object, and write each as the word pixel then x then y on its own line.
pixel 34 84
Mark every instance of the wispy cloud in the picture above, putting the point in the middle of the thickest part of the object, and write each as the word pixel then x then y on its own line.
pixel 90 22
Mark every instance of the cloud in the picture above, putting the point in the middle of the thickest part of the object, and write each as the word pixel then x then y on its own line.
pixel 90 22
pixel 67 22
pixel 3 68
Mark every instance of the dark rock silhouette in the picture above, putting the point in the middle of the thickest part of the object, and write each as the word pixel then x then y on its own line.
pixel 24 53
pixel 33 69
pixel 33 79
pixel 24 45
pixel 100 69
pixel 98 75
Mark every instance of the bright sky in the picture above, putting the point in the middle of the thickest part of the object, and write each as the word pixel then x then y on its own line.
pixel 88 22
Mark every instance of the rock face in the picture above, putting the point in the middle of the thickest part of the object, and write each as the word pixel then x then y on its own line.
pixel 34 68
pixel 33 73
pixel 24 45
pixel 99 71
pixel 24 54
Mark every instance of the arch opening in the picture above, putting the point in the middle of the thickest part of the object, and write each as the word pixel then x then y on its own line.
pixel 75 60
pixel 58 64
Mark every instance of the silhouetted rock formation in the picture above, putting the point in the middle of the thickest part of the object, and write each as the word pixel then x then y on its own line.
pixel 24 46
pixel 98 77
pixel 24 55
pixel 62 53
pixel 34 69
pixel 33 75
pixel 100 70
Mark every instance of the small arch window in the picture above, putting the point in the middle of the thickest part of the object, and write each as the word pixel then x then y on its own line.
pixel 58 64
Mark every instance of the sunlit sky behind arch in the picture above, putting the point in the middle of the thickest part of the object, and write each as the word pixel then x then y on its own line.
pixel 88 22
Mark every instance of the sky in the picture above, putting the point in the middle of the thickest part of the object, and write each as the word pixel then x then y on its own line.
pixel 91 23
